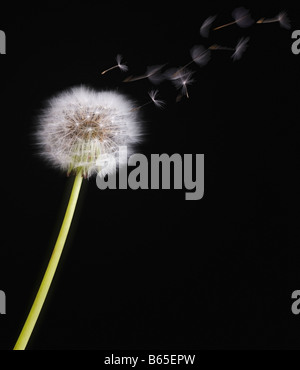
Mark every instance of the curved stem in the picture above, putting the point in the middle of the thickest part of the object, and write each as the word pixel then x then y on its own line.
pixel 50 271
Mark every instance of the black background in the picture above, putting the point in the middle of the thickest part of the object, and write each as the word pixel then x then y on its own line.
pixel 147 269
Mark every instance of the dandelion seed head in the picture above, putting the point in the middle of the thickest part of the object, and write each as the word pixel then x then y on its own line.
pixel 81 125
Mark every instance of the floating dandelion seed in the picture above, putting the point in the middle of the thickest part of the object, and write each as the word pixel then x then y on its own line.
pixel 157 102
pixel 206 26
pixel 181 79
pixel 284 20
pixel 200 55
pixel 172 73
pixel 122 67
pixel 77 128
pixel 152 73
pixel 241 17
pixel 240 48
pixel 281 18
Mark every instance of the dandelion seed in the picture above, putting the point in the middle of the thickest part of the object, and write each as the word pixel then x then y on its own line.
pixel 152 73
pixel 181 79
pixel 281 18
pixel 157 102
pixel 200 55
pixel 284 20
pixel 240 48
pixel 206 26
pixel 122 67
pixel 171 74
pixel 241 17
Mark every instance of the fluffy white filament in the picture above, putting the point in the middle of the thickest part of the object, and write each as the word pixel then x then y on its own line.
pixel 240 48
pixel 206 26
pixel 157 102
pixel 80 126
pixel 282 18
pixel 242 17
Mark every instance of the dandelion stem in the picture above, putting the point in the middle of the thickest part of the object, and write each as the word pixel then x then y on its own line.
pixel 50 271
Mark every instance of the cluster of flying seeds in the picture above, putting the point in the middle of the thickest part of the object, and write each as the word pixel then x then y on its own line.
pixel 181 77
pixel 81 130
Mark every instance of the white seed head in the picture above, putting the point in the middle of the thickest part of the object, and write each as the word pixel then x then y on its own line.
pixel 80 126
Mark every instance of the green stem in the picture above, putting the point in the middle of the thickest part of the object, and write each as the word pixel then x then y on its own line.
pixel 50 271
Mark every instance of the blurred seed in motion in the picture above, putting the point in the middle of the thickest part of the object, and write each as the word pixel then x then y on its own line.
pixel 240 48
pixel 241 17
pixel 157 102
pixel 206 26
pixel 152 73
pixel 200 55
pixel 281 18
